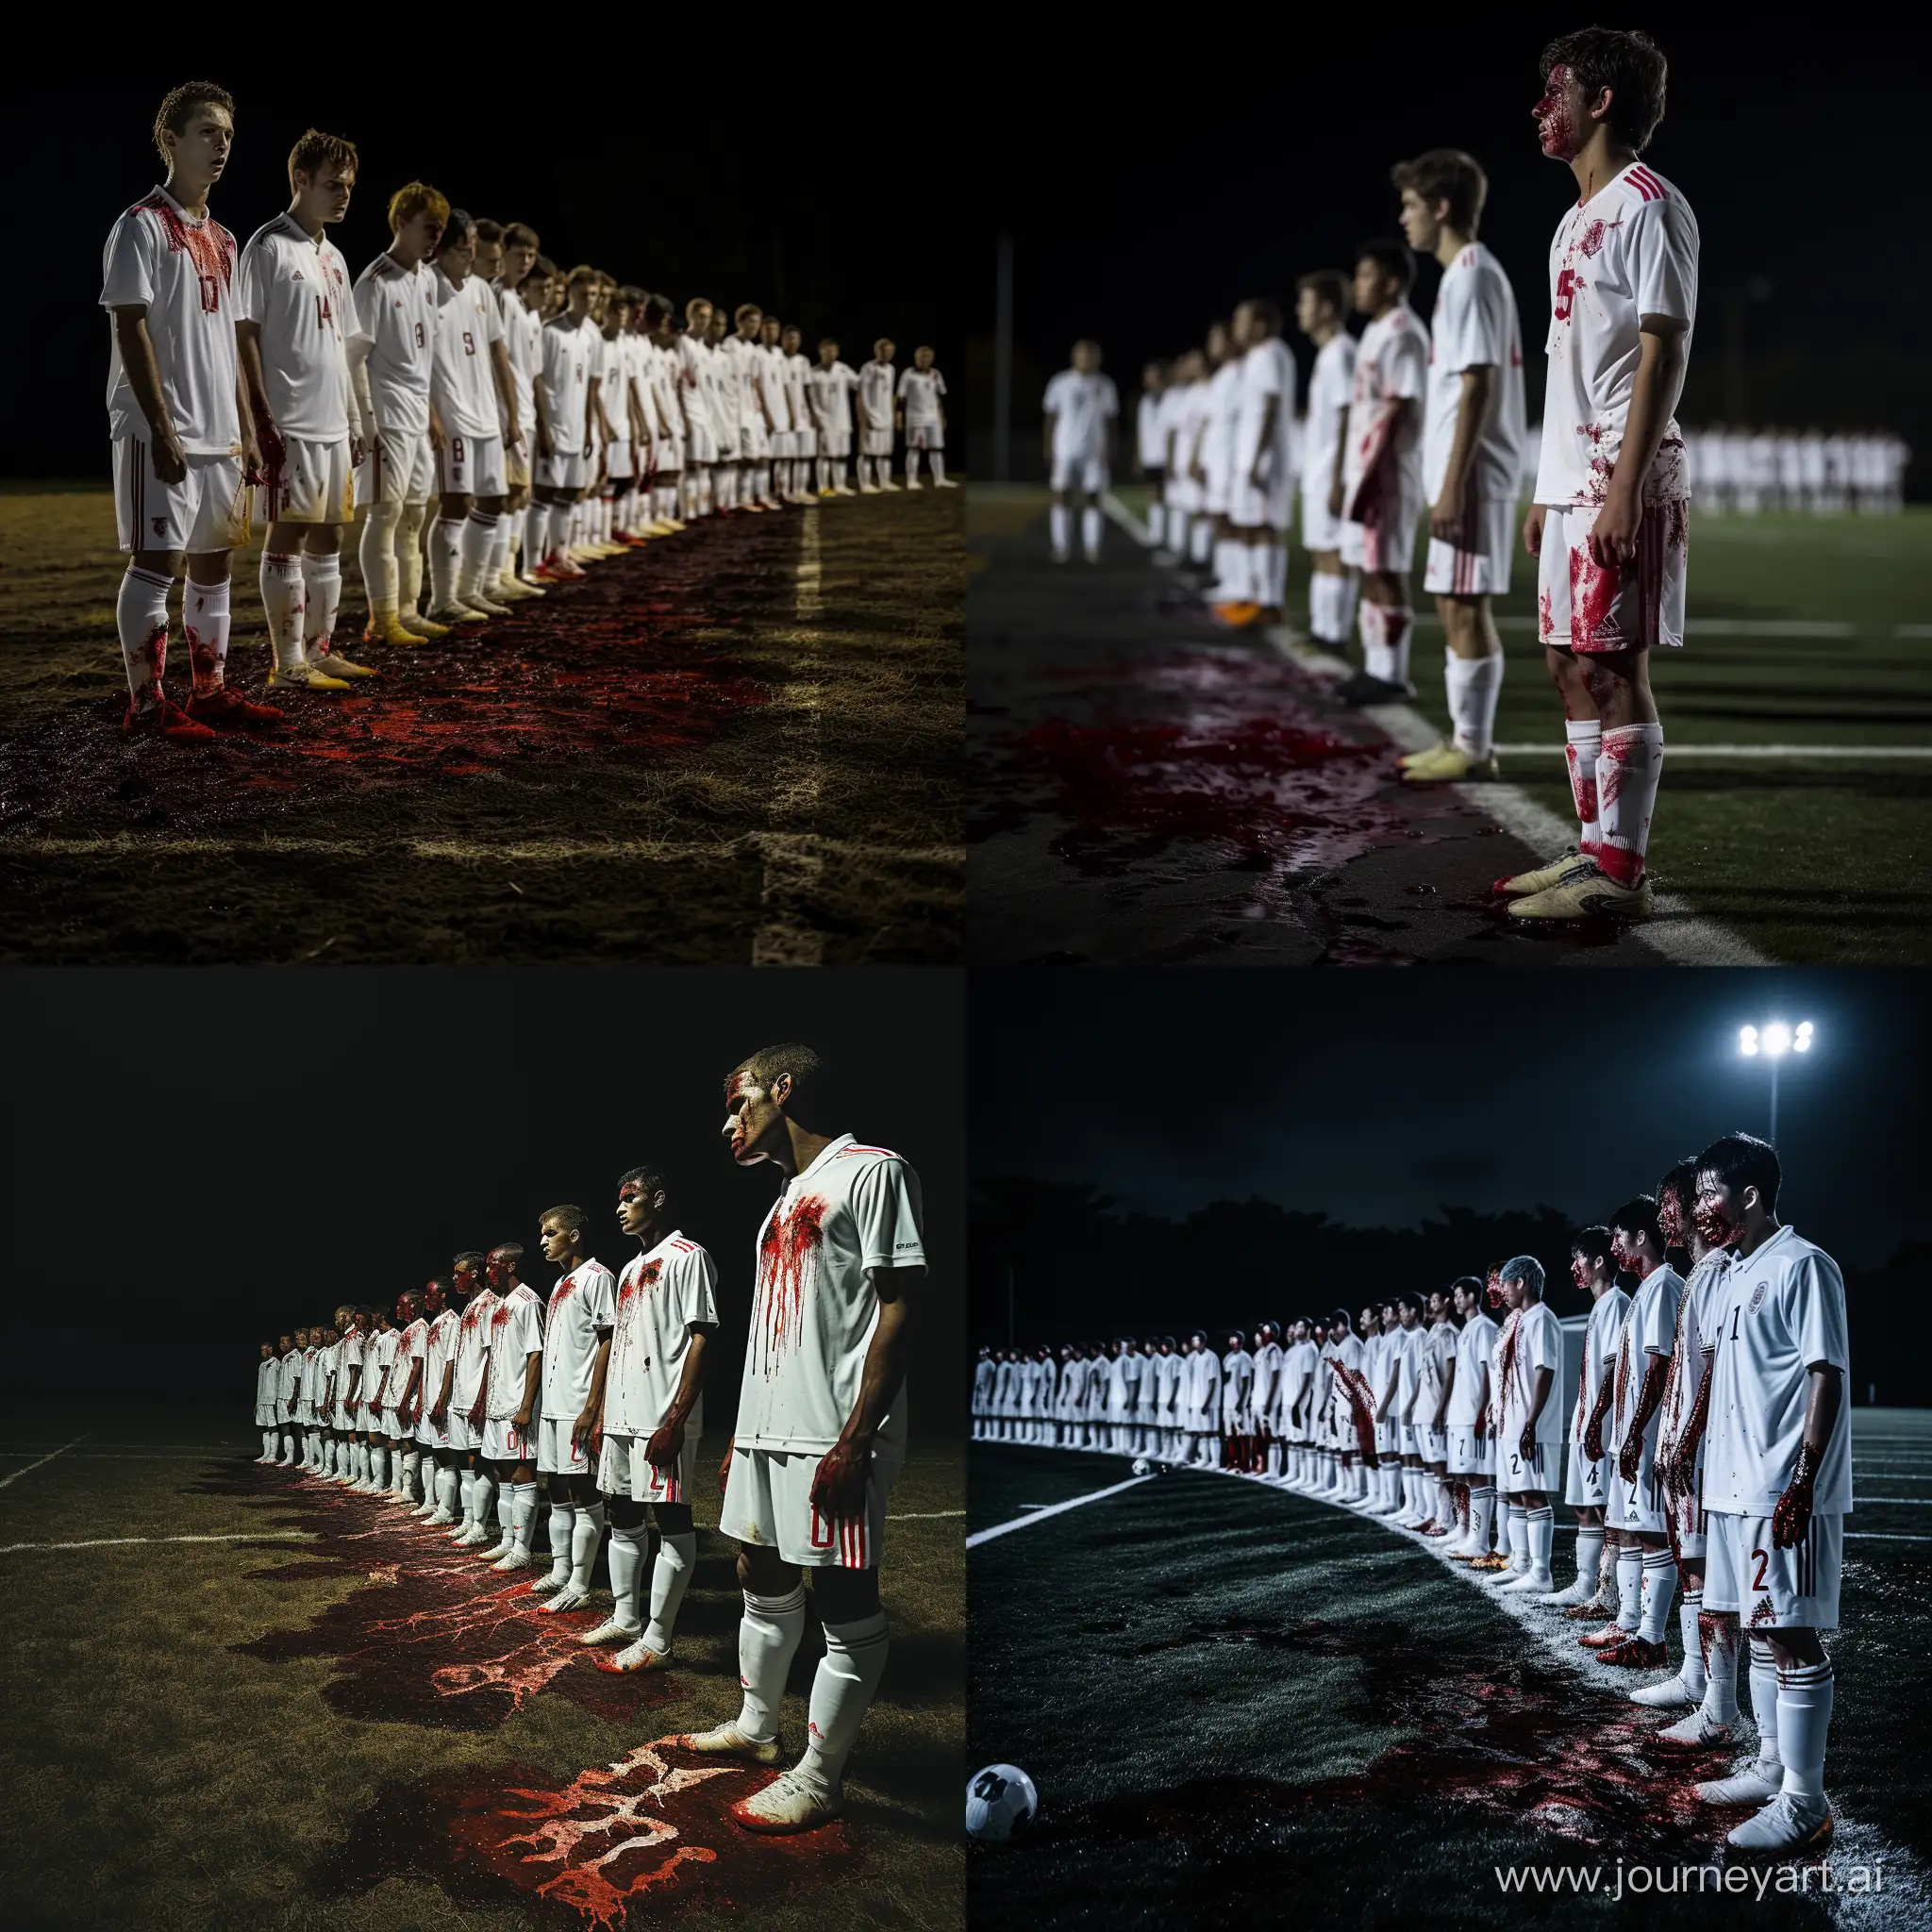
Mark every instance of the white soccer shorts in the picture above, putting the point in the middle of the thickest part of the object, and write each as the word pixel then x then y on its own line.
pixel 1088 474
pixel 399 468
pixel 1637 1506
pixel 1471 1454
pixel 1432 1445
pixel 429 1435
pixel 207 510
pixel 1387 1435
pixel 281 1409
pixel 754 440
pixel 1515 1472
pixel 308 483
pixel 503 1441
pixel 1481 571
pixel 516 465
pixel 463 1434
pixel 768 1504
pixel 835 443
pixel 874 443
pixel 1388 544
pixel 1406 1442
pixel 624 1470
pixel 1586 1484
pixel 924 436
pixel 557 1452
pixel 471 466
pixel 1320 527
pixel 1267 508
pixel 1768 1588
pixel 564 470
pixel 667 455
pixel 805 442
pixel 617 463
pixel 1584 605
pixel 392 1427
pixel 1218 491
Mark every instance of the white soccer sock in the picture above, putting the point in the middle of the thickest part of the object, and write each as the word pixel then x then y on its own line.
pixel 522 1512
pixel 1543 1534
pixel 535 535
pixel 1590 1549
pixel 409 554
pixel 478 539
pixel 1060 524
pixel 1629 1584
pixel 1716 1634
pixel 445 541
pixel 1321 607
pixel 1345 600
pixel 1584 742
pixel 1200 540
pixel 842 1689
pixel 671 1574
pixel 365 1462
pixel 1376 659
pixel 410 1464
pixel 1445 1503
pixel 1229 572
pixel 321 584
pixel 268 1443
pixel 479 1497
pixel 585 1534
pixel 499 549
pixel 447 1483
pixel 282 601
pixel 1629 770
pixel 626 1561
pixel 1690 1612
pixel 1274 584
pixel 1764 1700
pixel 768 1636
pixel 378 1468
pixel 562 1519
pixel 559 530
pixel 938 460
pixel 1090 529
pixel 1155 520
pixel 1516 1532
pixel 1804 1716
pixel 1398 630
pixel 289 1447
pixel 1178 532
pixel 376 553
pixel 1474 685
pixel 1659 1588
pixel 204 630
pixel 911 468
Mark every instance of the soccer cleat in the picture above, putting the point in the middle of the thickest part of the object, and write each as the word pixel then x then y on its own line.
pixel 425 628
pixel 1523 885
pixel 473 1537
pixel 533 585
pixel 164 718
pixel 915 485
pixel 1756 1783
pixel 1575 1592
pixel 566 1599
pixel 1495 1561
pixel 641 1657
pixel 392 630
pixel 1449 764
pixel 610 1631
pixel 504 1544
pixel 1538 1581
pixel 864 490
pixel 1590 1610
pixel 1668 1693
pixel 553 1580
pixel 1587 895
pixel 440 1518
pixel 483 600
pixel 1503 1571
pixel 1362 689
pixel 515 1558
pixel 1696 1732
pixel 1636 1655
pixel 227 711
pixel 1235 615
pixel 1788 1827
pixel 458 617
pixel 512 589
pixel 790 1802
pixel 1602 1640
pixel 336 665
pixel 946 483
pixel 727 1741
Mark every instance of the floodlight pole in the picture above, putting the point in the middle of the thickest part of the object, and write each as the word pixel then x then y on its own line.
pixel 1003 363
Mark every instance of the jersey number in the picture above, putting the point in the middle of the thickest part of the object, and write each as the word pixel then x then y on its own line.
pixel 1757 1582
pixel 210 293
pixel 456 449
pixel 1566 286
pixel 468 343
pixel 322 316
pixel 1736 1315
pixel 419 335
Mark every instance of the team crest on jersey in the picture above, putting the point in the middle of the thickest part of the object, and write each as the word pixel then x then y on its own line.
pixel 161 523
pixel 1757 1296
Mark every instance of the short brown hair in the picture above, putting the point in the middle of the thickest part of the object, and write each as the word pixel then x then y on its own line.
pixel 808 1072
pixel 1446 174
pixel 520 234
pixel 1631 65
pixel 745 308
pixel 179 103
pixel 317 150
pixel 582 272
pixel 488 230
pixel 415 198
pixel 1327 285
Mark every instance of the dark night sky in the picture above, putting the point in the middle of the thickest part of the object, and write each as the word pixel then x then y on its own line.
pixel 1231 160
pixel 668 185
pixel 198 1159
pixel 1377 1099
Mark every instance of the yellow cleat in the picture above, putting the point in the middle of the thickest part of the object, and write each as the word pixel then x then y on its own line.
pixel 303 678
pixel 1542 878
pixel 390 629
pixel 426 628
pixel 1448 765
pixel 1585 895
pixel 333 664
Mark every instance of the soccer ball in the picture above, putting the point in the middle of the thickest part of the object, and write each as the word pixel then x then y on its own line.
pixel 1000 1803
pixel 1142 1467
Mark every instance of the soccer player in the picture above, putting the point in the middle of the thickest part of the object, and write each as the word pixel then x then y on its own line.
pixel 1611 524
pixel 830 389
pixel 1409 1338
pixel 1146 1434
pixel 405 1396
pixel 1262 477
pixel 768 374
pixel 1435 1383
pixel 921 390
pixel 512 1380
pixel 311 1340
pixel 1169 1379
pixel 575 1337
pixel 441 1326
pixel 393 312
pixel 821 1429
pixel 984 1371
pixel 1190 532
pixel 1236 1399
pixel 1320 310
pixel 1201 1403
pixel 1472 450
pixel 350 1452
pixel 567 385
pixel 651 1414
pixel 1297 1379
pixel 1081 406
pixel 1529 1447
pixel 184 442
pixel 876 384
pixel 1380 499
pixel 1646 1576
pixel 1266 1400
pixel 474 396
pixel 1777 1484
pixel 267 1378
pixel 1150 446
pixel 1471 1443
pixel 287 1382
pixel 519 287
pixel 694 387
pixel 464 1416
pixel 381 1368
pixel 805 441
pixel 292 308
pixel 1587 1477
pixel 1212 461
pixel 1351 1412
pixel 1382 1371
pixel 748 421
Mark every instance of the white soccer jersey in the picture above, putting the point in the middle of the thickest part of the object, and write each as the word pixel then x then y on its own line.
pixel 1267 1394
pixel 328 1363
pixel 772 371
pixel 354 1369
pixel 983 1373
pixel 1123 1385
pixel 1390 367
pixel 472 1351
pixel 1150 428
pixel 797 382
pixel 467 322
pixel 1628 252
pixel 1216 418
pixel 1408 1342
pixel 412 1346
pixel 1297 1366
pixel 180 270
pixel 1167 1383
pixel 311 1383
pixel 393 310
pixel 1692 1345
pixel 920 390
pixel 1082 407
pixel 854 1210
pixel 1434 1357
pixel 267 1377
pixel 662 1295
pixel 693 381
pixel 1344 1360
pixel 1331 388
pixel 523 343
pixel 569 359
pixel 1147 1395
pixel 1647 1332
pixel 1474 1349
pixel 516 1333
pixel 296 290
pixel 582 1310
pixel 1265 373
pixel 741 359
pixel 288 1380
pixel 1532 1339
pixel 1603 1335
pixel 1780 1310
pixel 439 1338
pixel 1475 326
pixel 1237 1383
pixel 385 1385
pixel 831 397
pixel 1203 1400
pixel 875 380
pixel 613 383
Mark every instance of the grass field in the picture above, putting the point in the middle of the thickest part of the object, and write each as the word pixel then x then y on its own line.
pixel 284 1706
pixel 739 744
pixel 1806 635
pixel 1227 1692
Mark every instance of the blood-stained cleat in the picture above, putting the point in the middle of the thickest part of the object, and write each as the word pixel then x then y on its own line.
pixel 727 1741
pixel 790 1803
pixel 228 710
pixel 1542 878
pixel 162 717
pixel 641 1657
pixel 1635 1654
pixel 303 678
pixel 1591 894
pixel 1696 1732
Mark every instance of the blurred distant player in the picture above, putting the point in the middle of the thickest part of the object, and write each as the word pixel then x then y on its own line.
pixel 1150 446
pixel 568 380
pixel 1472 450
pixel 1380 499
pixel 829 388
pixel 1321 307
pixel 876 382
pixel 695 386
pixel 1187 531
pixel 1213 458
pixel 805 441
pixel 1081 407
pixel 1611 524
pixel 921 390
pixel 1262 477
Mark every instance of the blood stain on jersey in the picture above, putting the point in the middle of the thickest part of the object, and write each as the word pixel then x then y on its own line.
pixel 789 1250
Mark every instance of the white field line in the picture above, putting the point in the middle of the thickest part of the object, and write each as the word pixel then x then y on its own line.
pixel 924 1515
pixel 112 1542
pixel 459 850
pixel 986 1536
pixel 1118 512
pixel 1879 1536
pixel 1674 751
pixel 794 861
pixel 44 1459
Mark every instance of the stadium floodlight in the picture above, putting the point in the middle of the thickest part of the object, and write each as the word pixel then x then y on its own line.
pixel 1770 1043
pixel 1747 1041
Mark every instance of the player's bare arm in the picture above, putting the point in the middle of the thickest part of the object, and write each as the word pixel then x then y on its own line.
pixel 1683 1460
pixel 838 1491
pixel 1824 1395
pixel 1335 489
pixel 505 393
pixel 144 378
pixel 482 1386
pixel 1653 400
pixel 593 415
pixel 667 1439
pixel 1472 411
pixel 1270 408
pixel 589 1423
pixel 1482 1403
pixel 533 1374
pixel 1655 1372
pixel 1539 1395
pixel 254 389
pixel 1593 1429
pixel 1443 1402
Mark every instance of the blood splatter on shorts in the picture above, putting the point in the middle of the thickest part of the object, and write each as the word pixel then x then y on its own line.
pixel 1586 606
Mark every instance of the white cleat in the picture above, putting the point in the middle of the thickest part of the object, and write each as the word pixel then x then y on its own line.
pixel 554 1579
pixel 727 1741
pixel 483 600
pixel 473 1537
pixel 566 1599
pixel 1576 1592
pixel 1694 1733
pixel 1786 1827
pixel 516 1558
pixel 1501 1579
pixel 1757 1783
pixel 641 1657
pixel 440 1518
pixel 946 483
pixel 1530 1580
pixel 610 1631
pixel 454 614
pixel 532 587
pixel 891 488
pixel 790 1803
pixel 1671 1695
